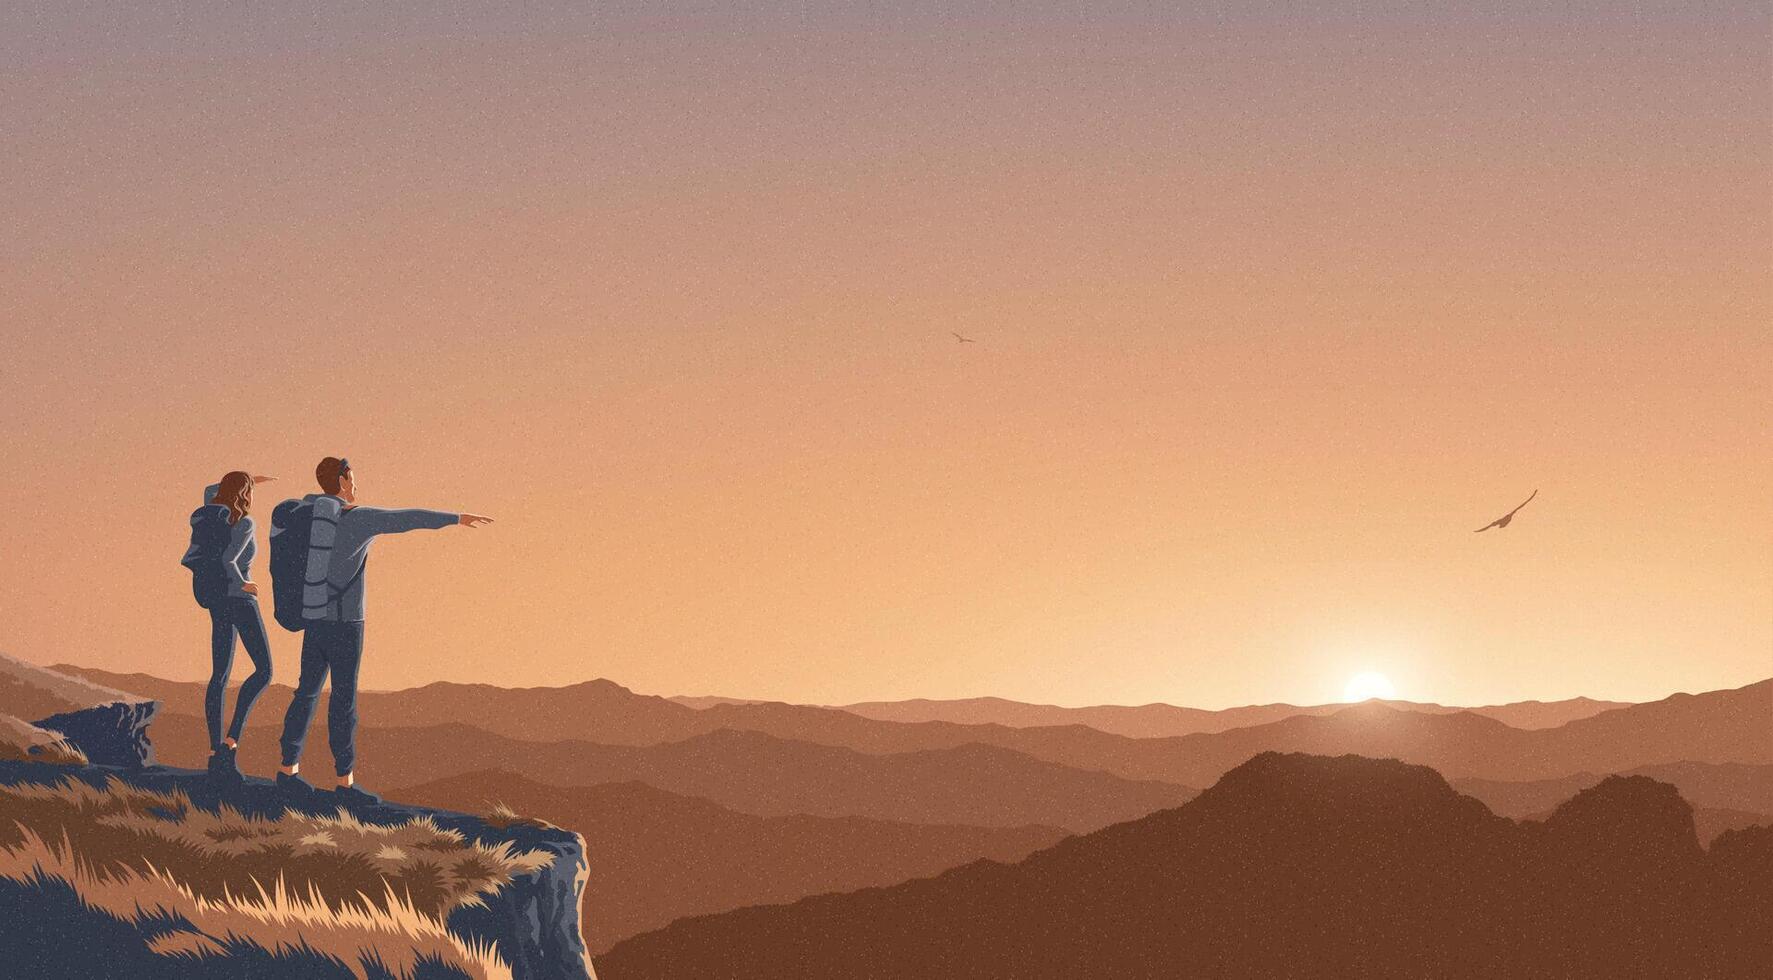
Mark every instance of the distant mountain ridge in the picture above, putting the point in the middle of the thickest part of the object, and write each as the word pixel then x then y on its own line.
pixel 1159 720
pixel 977 785
pixel 1713 727
pixel 660 856
pixel 700 701
pixel 1290 866
pixel 750 772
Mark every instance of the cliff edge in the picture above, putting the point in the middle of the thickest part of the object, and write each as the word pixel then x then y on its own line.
pixel 111 865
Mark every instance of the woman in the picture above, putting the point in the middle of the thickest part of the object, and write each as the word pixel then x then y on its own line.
pixel 235 612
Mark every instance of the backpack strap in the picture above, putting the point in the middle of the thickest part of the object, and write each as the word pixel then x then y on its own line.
pixel 317 591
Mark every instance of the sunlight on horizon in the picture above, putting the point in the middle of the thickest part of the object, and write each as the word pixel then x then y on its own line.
pixel 1367 685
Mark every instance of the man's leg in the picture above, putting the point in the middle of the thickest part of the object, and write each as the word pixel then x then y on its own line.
pixel 341 706
pixel 307 692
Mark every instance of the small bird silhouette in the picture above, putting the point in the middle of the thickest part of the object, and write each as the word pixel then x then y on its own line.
pixel 1505 518
pixel 964 340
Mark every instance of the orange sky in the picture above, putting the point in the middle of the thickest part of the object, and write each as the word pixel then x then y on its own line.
pixel 1271 313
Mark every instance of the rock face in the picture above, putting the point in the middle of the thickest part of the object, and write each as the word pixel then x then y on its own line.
pixel 108 725
pixel 532 923
pixel 114 734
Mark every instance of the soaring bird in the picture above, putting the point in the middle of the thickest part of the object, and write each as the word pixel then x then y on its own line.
pixel 964 340
pixel 1505 518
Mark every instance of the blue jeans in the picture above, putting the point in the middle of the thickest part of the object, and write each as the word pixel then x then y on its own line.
pixel 335 648
pixel 231 616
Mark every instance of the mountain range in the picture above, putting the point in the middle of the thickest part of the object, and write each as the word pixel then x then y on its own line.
pixel 1159 720
pixel 660 856
pixel 1290 866
pixel 720 807
pixel 746 771
pixel 1713 727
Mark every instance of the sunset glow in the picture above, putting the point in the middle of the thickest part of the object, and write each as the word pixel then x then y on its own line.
pixel 1368 685
pixel 1266 313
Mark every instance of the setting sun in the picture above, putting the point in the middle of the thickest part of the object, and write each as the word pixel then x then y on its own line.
pixel 1367 685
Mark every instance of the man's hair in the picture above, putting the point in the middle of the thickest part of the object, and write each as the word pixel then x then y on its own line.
pixel 330 471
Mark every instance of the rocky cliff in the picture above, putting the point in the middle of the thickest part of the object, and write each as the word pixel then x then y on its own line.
pixel 121 867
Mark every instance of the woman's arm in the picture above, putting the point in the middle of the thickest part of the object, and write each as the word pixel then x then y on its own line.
pixel 209 491
pixel 240 535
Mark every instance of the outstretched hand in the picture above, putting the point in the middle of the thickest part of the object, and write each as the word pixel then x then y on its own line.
pixel 473 520
pixel 263 479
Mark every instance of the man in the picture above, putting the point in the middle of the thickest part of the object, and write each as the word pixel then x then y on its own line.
pixel 332 641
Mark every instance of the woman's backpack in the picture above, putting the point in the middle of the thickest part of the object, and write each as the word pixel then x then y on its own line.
pixel 210 533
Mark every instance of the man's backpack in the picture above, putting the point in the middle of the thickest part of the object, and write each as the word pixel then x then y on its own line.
pixel 292 530
pixel 210 533
pixel 302 533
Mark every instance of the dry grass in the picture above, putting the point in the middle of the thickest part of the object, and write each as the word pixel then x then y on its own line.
pixel 21 741
pixel 392 934
pixel 332 884
pixel 501 816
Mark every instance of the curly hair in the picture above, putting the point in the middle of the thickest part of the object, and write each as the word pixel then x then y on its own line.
pixel 235 493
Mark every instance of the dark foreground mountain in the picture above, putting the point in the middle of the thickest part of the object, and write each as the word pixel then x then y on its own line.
pixel 1721 788
pixel 661 856
pixel 1290 866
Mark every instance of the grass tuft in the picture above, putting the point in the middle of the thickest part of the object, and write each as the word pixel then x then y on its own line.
pixel 501 816
pixel 21 741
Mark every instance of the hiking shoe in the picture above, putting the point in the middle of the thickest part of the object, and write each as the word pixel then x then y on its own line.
pixel 224 767
pixel 295 786
pixel 356 794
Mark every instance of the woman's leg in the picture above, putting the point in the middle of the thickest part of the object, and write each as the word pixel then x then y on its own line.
pixel 251 627
pixel 221 656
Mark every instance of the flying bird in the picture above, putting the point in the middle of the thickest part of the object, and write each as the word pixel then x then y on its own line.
pixel 964 340
pixel 1505 518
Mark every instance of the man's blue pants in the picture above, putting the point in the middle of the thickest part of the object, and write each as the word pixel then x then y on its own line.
pixel 335 648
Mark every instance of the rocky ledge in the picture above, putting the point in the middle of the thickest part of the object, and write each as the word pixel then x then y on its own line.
pixel 114 734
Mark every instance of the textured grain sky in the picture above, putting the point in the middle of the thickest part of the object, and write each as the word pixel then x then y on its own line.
pixel 1273 309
